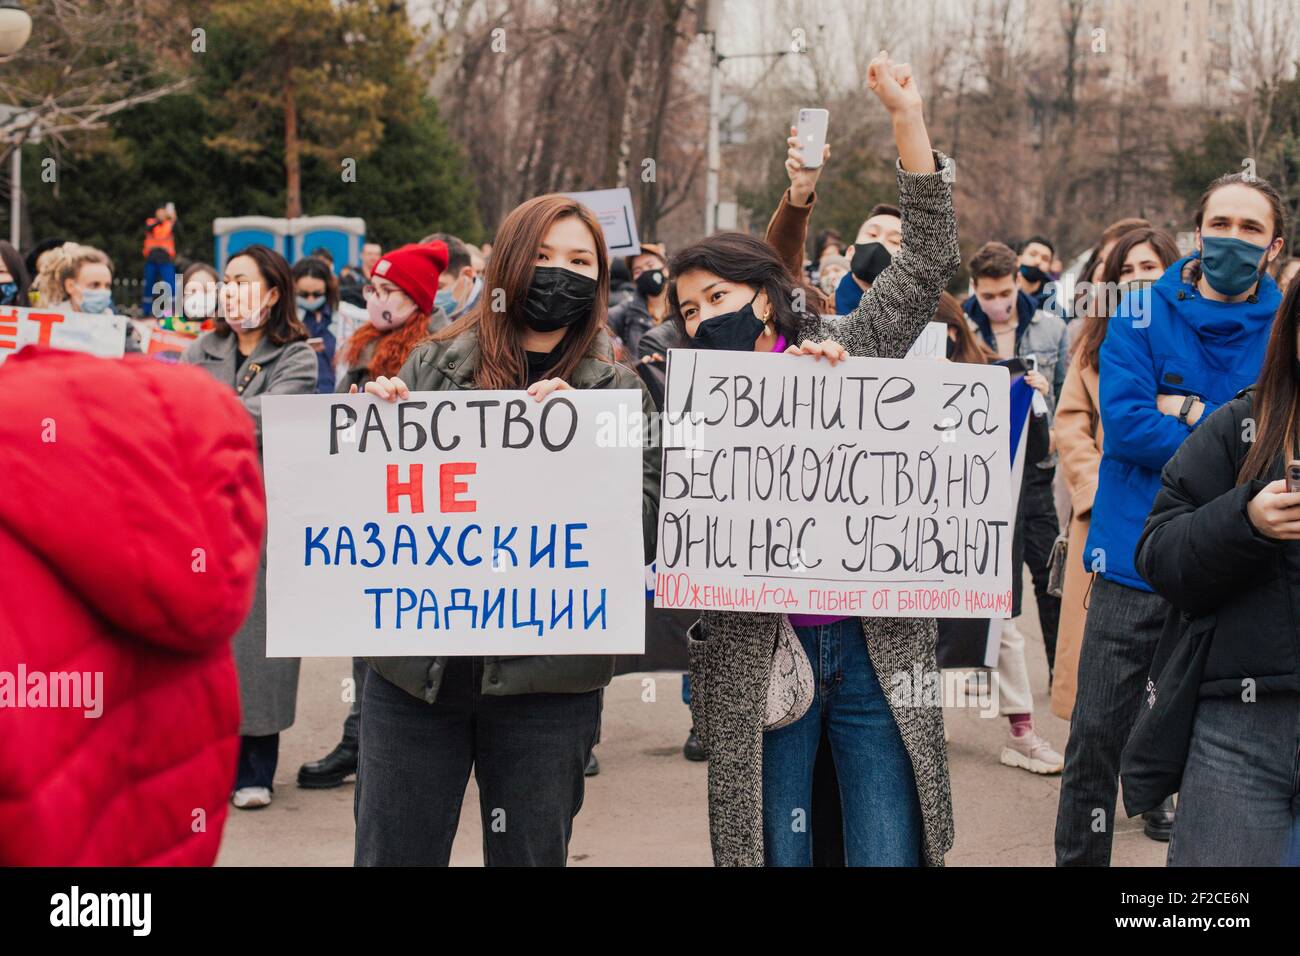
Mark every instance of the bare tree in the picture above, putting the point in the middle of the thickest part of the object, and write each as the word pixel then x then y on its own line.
pixel 1265 48
pixel 86 60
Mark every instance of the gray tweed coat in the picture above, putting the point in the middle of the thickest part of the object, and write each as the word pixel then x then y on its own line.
pixel 730 667
pixel 268 686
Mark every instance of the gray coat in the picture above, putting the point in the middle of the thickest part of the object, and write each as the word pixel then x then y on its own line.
pixel 268 686
pixel 730 666
pixel 630 321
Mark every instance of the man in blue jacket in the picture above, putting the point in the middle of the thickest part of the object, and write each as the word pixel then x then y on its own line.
pixel 1174 352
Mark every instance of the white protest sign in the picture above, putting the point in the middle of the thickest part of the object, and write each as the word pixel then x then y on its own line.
pixel 474 522
pixel 613 207
pixel 932 343
pixel 878 487
pixel 102 335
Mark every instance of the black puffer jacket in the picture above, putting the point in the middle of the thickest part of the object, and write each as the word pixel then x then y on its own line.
pixel 1200 551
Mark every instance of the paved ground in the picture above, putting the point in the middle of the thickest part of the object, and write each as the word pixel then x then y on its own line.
pixel 648 807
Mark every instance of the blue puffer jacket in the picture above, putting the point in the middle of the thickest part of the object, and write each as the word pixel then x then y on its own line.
pixel 1164 339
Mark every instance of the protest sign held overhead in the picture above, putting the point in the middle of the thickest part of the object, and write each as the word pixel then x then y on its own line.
pixel 877 487
pixel 613 208
pixel 478 524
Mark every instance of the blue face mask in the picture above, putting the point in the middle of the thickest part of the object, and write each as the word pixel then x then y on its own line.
pixel 445 301
pixel 1230 266
pixel 96 301
pixel 310 303
pixel 8 292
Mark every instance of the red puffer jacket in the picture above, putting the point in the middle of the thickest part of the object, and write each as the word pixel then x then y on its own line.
pixel 131 519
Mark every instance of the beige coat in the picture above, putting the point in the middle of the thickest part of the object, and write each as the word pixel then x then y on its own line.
pixel 1078 444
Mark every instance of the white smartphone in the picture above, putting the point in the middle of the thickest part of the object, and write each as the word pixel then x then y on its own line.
pixel 810 127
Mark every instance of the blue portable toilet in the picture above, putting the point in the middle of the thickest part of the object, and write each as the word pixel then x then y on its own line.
pixel 343 236
pixel 239 232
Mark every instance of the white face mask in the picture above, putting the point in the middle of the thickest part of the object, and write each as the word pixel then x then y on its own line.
pixel 201 305
pixel 254 322
pixel 257 319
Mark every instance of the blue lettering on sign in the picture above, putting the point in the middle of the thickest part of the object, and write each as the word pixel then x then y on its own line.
pixel 406 608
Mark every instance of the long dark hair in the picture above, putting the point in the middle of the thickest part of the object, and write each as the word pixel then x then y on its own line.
pixel 1277 395
pixel 509 274
pixel 314 267
pixel 745 259
pixel 968 347
pixel 18 269
pixel 282 325
pixel 1087 347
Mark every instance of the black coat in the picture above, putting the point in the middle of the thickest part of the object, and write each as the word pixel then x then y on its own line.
pixel 1200 551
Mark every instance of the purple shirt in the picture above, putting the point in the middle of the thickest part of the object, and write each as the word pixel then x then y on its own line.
pixel 806 620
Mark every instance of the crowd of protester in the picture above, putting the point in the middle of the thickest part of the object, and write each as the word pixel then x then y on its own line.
pixel 1153 515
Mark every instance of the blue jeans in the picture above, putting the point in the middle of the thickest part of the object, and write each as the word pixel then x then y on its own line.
pixel 882 816
pixel 1239 804
pixel 155 272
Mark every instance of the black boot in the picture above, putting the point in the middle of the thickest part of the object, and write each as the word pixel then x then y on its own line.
pixel 331 770
pixel 693 749
pixel 1158 824
pixel 593 765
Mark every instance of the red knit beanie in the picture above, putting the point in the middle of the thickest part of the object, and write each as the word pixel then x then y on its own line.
pixel 415 270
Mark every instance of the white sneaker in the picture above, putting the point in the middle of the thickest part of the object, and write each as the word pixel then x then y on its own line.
pixel 1031 752
pixel 251 798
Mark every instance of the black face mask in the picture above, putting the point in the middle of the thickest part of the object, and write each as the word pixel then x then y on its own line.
pixel 869 261
pixel 558 298
pixel 951 348
pixel 733 332
pixel 1033 274
pixel 650 283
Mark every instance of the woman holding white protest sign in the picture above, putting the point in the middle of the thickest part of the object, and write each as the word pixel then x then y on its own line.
pixel 734 292
pixel 77 278
pixel 524 725
pixel 258 348
pixel 402 315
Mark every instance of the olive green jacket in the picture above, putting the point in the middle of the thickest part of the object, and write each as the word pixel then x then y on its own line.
pixel 451 365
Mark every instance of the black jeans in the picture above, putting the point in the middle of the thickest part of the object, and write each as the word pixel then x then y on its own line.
pixel 527 751
pixel 1036 530
pixel 258 757
pixel 1119 642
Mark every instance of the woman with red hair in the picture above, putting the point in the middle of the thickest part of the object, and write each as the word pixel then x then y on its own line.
pixel 399 305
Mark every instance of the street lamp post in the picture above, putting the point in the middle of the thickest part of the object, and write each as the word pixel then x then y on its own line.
pixel 714 158
pixel 15 27
pixel 712 18
pixel 15 30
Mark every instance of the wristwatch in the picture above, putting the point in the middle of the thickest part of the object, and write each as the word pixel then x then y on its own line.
pixel 1188 402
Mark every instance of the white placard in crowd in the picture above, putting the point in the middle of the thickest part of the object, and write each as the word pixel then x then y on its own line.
pixel 878 487
pixel 458 523
pixel 102 335
pixel 613 207
pixel 932 343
